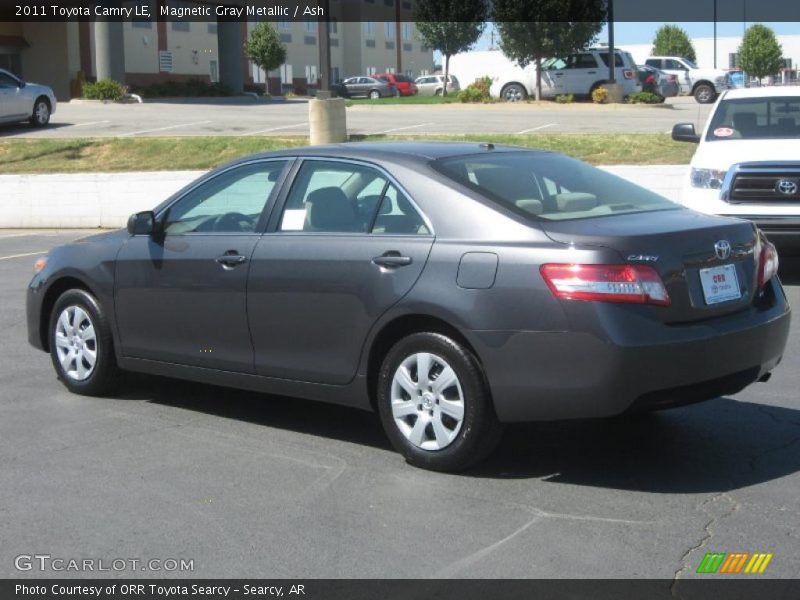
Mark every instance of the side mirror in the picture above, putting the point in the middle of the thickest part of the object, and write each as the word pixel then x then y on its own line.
pixel 142 223
pixel 684 132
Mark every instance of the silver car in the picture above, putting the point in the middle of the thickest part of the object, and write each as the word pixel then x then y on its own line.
pixel 21 101
pixel 432 85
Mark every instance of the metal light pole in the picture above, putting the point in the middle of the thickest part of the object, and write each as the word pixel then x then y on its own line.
pixel 611 57
pixel 715 34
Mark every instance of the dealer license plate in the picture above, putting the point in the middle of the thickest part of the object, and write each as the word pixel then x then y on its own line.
pixel 720 284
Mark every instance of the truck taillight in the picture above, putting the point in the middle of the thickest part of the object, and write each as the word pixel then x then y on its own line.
pixel 627 74
pixel 767 263
pixel 638 284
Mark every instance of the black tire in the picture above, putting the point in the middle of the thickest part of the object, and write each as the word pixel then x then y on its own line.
pixel 105 372
pixel 374 95
pixel 704 94
pixel 479 431
pixel 40 115
pixel 437 93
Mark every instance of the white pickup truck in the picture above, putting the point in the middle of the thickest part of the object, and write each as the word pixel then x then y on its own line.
pixel 747 162
pixel 704 84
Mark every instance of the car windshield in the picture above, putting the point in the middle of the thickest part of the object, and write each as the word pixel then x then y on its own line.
pixel 552 187
pixel 756 118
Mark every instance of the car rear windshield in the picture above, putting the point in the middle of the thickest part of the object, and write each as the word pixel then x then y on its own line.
pixel 539 185
pixel 402 78
pixel 756 118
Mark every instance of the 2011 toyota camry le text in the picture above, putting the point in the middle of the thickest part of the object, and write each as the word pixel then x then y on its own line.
pixel 450 287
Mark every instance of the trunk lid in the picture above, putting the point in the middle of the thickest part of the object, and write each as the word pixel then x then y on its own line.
pixel 683 243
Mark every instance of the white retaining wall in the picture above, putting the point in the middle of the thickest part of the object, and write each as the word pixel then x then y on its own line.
pixel 88 200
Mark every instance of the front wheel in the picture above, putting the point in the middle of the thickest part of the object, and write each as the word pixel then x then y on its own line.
pixel 374 95
pixel 435 405
pixel 41 113
pixel 81 345
pixel 705 94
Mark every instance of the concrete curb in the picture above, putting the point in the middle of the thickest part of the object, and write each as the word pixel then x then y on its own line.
pixel 89 200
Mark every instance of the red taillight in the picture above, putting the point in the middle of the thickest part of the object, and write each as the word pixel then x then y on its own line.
pixel 627 74
pixel 650 79
pixel 767 263
pixel 637 284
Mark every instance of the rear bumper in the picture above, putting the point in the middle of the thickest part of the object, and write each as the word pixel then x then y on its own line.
pixel 619 367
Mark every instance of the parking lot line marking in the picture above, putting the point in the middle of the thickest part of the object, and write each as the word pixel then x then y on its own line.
pixel 275 128
pixel 10 256
pixel 130 133
pixel 89 123
pixel 400 129
pixel 532 129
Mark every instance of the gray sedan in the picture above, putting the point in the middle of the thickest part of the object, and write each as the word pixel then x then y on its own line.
pixel 21 101
pixel 365 87
pixel 452 288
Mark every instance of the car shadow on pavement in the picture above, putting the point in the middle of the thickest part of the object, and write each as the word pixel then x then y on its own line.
pixel 281 412
pixel 715 446
pixel 12 129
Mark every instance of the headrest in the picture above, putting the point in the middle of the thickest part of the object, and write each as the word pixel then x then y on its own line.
pixel 744 120
pixel 534 207
pixel 509 184
pixel 575 201
pixel 330 210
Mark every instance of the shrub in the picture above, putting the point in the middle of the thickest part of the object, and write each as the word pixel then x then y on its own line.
pixel 600 95
pixel 478 91
pixel 105 89
pixel 190 88
pixel 565 99
pixel 644 98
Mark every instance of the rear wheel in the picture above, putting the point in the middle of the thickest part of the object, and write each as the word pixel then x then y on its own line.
pixel 81 346
pixel 41 112
pixel 513 92
pixel 437 92
pixel 705 94
pixel 374 95
pixel 435 405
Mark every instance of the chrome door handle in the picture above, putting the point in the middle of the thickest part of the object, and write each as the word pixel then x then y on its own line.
pixel 392 259
pixel 230 260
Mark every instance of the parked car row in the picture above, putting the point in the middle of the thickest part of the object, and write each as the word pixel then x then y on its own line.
pixel 384 85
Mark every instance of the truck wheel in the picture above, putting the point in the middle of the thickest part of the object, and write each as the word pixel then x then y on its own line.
pixel 513 92
pixel 705 94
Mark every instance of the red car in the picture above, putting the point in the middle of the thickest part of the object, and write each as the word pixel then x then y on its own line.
pixel 405 85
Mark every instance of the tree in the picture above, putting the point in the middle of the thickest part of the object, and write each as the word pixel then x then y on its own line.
pixel 264 48
pixel 671 40
pixel 760 53
pixel 532 30
pixel 450 26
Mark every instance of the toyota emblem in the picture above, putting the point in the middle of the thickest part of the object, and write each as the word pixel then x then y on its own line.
pixel 722 249
pixel 787 187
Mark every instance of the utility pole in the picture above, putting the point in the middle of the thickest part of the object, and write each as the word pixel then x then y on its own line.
pixel 611 56
pixel 324 37
pixel 715 34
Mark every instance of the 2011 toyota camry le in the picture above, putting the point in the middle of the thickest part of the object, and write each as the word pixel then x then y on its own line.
pixel 450 287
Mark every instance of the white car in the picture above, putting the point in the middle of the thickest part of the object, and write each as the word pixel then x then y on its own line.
pixel 21 101
pixel 747 162
pixel 578 74
pixel 432 85
pixel 704 84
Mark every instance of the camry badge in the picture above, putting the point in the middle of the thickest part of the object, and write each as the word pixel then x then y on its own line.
pixel 787 187
pixel 642 258
pixel 722 249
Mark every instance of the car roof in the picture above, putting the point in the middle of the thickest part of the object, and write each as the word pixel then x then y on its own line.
pixel 764 92
pixel 405 152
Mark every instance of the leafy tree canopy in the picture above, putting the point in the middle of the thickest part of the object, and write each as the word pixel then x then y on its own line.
pixel 671 40
pixel 264 47
pixel 760 53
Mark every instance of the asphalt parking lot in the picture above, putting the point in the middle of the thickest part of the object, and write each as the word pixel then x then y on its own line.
pixel 246 117
pixel 243 483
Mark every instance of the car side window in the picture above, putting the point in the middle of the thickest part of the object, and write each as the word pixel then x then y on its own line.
pixel 397 215
pixel 231 202
pixel 7 82
pixel 675 65
pixel 333 196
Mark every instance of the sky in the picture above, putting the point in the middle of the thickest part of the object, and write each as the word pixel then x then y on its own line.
pixel 643 33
